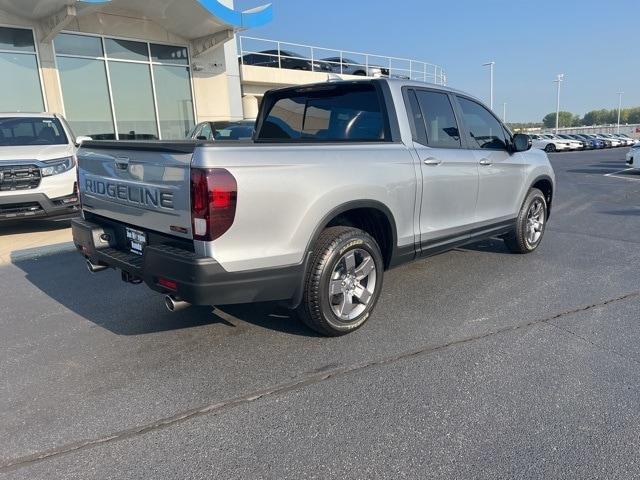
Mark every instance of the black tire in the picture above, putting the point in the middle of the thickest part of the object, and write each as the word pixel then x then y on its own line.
pixel 331 248
pixel 518 241
pixel 550 148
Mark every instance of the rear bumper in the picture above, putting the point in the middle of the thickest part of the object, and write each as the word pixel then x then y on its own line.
pixel 37 205
pixel 199 280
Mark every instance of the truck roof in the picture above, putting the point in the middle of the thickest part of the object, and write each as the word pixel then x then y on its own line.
pixel 27 114
pixel 393 82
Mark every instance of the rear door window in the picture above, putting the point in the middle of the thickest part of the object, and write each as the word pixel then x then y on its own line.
pixel 483 129
pixel 325 114
pixel 440 125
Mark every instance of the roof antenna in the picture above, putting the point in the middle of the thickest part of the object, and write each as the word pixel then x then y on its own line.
pixel 332 77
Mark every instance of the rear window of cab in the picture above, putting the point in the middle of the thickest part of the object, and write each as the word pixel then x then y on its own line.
pixel 327 113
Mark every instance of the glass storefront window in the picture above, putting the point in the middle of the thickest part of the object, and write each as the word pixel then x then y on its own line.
pixel 17 40
pixel 86 97
pixel 133 101
pixel 169 54
pixel 78 45
pixel 121 77
pixel 20 87
pixel 127 50
pixel 175 106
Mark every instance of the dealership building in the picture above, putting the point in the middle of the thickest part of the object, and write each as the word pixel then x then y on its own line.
pixel 146 69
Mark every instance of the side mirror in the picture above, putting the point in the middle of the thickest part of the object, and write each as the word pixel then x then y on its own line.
pixel 81 139
pixel 521 142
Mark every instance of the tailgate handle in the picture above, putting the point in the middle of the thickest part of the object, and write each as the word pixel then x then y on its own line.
pixel 122 162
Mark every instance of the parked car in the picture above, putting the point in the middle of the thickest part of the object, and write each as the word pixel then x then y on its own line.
pixel 633 155
pixel 549 145
pixel 615 142
pixel 351 67
pixel 223 131
pixel 626 141
pixel 596 142
pixel 319 205
pixel 284 59
pixel 37 166
pixel 573 144
pixel 583 144
pixel 607 141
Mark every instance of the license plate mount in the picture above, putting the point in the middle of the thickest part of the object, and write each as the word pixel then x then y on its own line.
pixel 136 240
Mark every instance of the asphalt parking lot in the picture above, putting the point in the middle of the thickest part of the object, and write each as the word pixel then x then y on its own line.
pixel 476 364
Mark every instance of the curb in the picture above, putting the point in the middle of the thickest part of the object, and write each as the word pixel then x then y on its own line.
pixel 34 253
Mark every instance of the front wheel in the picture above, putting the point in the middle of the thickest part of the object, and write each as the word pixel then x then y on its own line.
pixel 343 281
pixel 550 148
pixel 530 224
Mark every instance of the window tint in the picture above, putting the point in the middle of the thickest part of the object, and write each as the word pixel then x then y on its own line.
pixel 16 40
pixel 81 45
pixel 16 131
pixel 440 123
pixel 483 128
pixel 169 54
pixel 126 50
pixel 337 113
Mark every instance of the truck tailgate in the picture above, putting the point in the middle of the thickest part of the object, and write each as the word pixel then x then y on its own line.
pixel 144 184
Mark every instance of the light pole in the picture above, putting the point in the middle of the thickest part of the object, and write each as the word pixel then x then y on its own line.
pixel 559 80
pixel 504 112
pixel 490 65
pixel 619 108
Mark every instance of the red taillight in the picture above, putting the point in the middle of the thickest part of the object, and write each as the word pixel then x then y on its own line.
pixel 214 194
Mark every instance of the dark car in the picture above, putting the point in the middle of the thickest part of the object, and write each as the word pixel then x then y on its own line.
pixel 601 142
pixel 223 131
pixel 283 59
pixel 351 67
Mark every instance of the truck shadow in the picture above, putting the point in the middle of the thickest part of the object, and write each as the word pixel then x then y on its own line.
pixel 10 227
pixel 125 309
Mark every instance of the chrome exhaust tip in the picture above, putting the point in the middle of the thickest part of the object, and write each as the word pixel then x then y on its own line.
pixel 174 304
pixel 93 268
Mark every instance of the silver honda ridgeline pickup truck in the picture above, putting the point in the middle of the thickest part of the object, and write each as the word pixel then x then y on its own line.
pixel 342 181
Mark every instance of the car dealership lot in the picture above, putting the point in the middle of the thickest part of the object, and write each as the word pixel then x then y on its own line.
pixel 476 364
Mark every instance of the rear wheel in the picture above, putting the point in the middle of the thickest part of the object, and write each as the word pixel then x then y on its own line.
pixel 550 148
pixel 530 224
pixel 343 282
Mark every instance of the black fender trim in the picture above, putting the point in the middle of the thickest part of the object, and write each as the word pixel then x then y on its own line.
pixel 548 179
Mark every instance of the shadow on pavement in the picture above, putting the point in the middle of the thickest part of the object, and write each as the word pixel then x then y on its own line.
pixel 17 227
pixel 126 309
pixel 601 168
pixel 491 245
pixel 631 212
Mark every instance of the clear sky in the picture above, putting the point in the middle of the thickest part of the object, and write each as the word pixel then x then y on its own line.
pixel 596 44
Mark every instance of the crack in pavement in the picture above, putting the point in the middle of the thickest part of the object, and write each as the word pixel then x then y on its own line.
pixel 215 408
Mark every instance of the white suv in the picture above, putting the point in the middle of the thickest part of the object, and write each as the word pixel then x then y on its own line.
pixel 37 166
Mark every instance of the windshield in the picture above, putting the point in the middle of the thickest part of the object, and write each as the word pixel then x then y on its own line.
pixel 24 131
pixel 241 131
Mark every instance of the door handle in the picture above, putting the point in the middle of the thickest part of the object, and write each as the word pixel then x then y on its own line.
pixel 486 162
pixel 432 161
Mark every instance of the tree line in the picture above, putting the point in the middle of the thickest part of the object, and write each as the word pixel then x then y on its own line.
pixel 594 117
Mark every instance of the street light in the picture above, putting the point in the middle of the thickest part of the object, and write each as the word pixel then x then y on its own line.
pixel 619 108
pixel 490 65
pixel 558 80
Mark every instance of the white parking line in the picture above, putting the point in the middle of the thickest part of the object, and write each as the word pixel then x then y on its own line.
pixel 615 174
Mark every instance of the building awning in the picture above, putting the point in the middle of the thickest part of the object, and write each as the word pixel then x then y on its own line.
pixel 189 19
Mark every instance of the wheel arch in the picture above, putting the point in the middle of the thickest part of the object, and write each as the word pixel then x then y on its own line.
pixel 544 183
pixel 372 216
